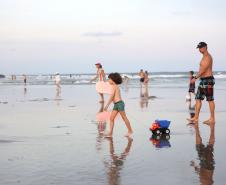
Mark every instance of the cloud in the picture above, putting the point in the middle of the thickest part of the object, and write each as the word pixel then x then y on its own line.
pixel 102 34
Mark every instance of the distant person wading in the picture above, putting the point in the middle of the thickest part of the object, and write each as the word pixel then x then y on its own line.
pixel 141 75
pixel 100 76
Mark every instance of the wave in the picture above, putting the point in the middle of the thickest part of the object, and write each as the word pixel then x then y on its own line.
pixel 68 79
pixel 220 76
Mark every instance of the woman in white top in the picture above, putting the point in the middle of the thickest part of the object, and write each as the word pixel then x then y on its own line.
pixel 100 77
pixel 57 81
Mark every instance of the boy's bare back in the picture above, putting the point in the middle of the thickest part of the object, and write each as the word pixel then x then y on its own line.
pixel 117 94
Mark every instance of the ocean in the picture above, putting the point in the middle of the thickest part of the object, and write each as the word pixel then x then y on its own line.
pixel 159 79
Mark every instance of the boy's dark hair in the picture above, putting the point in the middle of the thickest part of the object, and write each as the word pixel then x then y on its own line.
pixel 115 77
pixel 191 72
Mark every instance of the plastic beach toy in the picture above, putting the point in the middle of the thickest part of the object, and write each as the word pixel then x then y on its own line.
pixel 103 116
pixel 104 87
pixel 160 127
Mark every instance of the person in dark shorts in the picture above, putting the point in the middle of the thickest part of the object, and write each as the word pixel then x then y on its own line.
pixel 25 79
pixel 141 75
pixel 119 106
pixel 142 80
pixel 191 89
pixel 205 89
pixel 206 85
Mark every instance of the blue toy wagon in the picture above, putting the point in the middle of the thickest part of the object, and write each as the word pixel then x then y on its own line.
pixel 160 127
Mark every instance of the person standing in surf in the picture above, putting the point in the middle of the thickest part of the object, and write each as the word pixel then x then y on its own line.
pixel 206 85
pixel 58 82
pixel 100 77
pixel 191 89
pixel 25 79
pixel 141 74
pixel 146 77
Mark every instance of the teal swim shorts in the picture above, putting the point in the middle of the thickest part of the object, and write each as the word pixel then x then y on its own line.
pixel 119 106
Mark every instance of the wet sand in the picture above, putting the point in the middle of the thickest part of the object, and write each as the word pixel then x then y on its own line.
pixel 50 138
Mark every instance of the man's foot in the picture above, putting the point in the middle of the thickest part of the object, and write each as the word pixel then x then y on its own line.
pixel 193 120
pixel 190 124
pixel 129 134
pixel 209 122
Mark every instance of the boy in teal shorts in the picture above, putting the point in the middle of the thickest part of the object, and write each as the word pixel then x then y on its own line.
pixel 119 107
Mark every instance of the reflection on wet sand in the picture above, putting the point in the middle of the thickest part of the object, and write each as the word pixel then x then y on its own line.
pixel 191 109
pixel 206 166
pixel 58 96
pixel 25 91
pixel 102 117
pixel 144 96
pixel 160 141
pixel 101 126
pixel 115 164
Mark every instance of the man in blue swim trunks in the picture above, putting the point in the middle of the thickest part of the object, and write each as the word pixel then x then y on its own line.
pixel 206 85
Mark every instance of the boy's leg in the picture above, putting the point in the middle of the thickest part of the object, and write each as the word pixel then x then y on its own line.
pixel 125 119
pixel 112 122
pixel 190 95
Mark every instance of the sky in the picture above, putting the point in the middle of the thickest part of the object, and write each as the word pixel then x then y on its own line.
pixel 70 36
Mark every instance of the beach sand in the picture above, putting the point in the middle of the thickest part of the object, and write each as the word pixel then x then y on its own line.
pixel 50 138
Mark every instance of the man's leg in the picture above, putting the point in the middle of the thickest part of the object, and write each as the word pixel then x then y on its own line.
pixel 198 106
pixel 210 99
pixel 212 113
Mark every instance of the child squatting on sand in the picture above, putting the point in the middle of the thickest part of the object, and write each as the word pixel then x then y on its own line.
pixel 119 107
